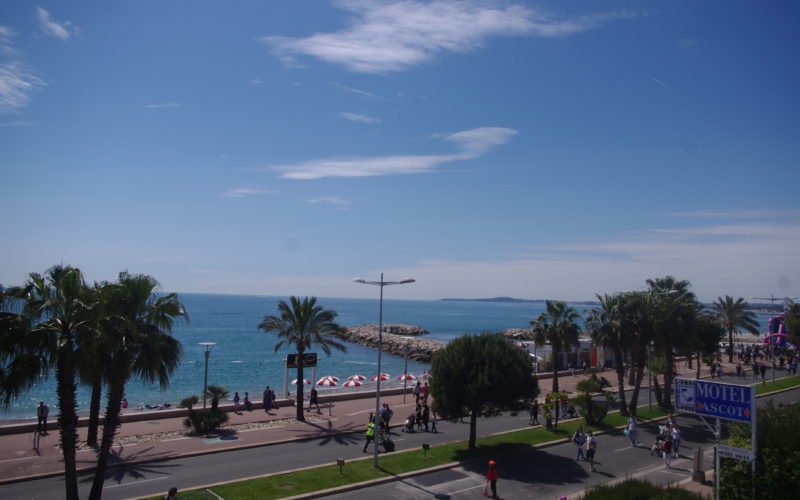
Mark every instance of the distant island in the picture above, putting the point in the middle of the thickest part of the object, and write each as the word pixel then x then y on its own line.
pixel 521 301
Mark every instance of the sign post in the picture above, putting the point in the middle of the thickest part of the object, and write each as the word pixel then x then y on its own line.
pixel 720 401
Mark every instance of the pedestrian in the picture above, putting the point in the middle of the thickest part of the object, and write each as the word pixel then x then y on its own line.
pixel 579 438
pixel 424 392
pixel 124 403
pixel 491 480
pixel 739 370
pixel 667 450
pixel 386 415
pixel 313 399
pixel 172 494
pixel 633 426
pixel 591 448
pixel 236 400
pixel 247 404
pixel 41 418
pixel 433 423
pixel 533 410
pixel 571 368
pixel 426 416
pixel 417 391
pixel 370 431
pixel 676 439
pixel 763 369
pixel 548 419
pixel 585 366
pixel 265 399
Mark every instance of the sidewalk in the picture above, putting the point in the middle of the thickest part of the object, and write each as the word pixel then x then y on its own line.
pixel 155 439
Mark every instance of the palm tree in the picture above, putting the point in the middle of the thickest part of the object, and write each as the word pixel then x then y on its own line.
pixel 605 325
pixel 54 320
pixel 556 326
pixel 733 315
pixel 303 324
pixel 90 366
pixel 137 343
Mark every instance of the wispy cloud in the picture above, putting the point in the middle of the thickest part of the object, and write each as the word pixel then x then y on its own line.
pixel 51 27
pixel 353 117
pixel 163 105
pixel 18 123
pixel 331 200
pixel 471 144
pixel 17 85
pixel 739 214
pixel 392 36
pixel 661 84
pixel 358 92
pixel 247 190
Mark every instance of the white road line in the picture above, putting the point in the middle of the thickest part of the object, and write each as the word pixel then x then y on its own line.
pixel 623 449
pixel 667 471
pixel 134 482
pixel 465 489
pixel 13 459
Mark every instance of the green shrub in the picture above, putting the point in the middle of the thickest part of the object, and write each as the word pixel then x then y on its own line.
pixel 638 489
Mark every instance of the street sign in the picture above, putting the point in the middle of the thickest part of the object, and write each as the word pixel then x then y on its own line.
pixel 309 360
pixel 715 399
pixel 742 454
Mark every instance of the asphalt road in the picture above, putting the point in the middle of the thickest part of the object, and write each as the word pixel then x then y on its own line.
pixel 536 472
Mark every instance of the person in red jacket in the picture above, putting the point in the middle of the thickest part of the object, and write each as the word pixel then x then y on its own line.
pixel 491 477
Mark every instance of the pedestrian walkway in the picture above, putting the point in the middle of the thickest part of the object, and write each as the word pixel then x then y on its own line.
pixel 21 457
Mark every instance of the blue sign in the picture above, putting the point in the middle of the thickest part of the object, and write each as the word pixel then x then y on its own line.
pixel 728 401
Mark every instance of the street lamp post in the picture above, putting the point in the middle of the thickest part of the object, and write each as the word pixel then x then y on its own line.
pixel 381 284
pixel 405 370
pixel 205 378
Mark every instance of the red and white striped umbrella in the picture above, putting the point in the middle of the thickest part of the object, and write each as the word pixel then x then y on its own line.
pixel 426 375
pixel 331 377
pixel 407 376
pixel 326 381
pixel 305 381
pixel 384 376
pixel 356 377
pixel 352 383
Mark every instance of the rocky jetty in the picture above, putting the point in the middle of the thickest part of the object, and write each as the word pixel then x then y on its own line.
pixel 393 342
pixel 518 333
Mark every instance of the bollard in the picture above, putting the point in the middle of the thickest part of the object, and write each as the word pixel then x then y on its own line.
pixel 425 448
pixel 340 463
pixel 698 474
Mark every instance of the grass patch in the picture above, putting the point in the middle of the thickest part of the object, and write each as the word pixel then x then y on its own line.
pixel 780 383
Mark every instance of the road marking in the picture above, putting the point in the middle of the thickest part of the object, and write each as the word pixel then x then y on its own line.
pixel 623 449
pixel 668 471
pixel 12 459
pixel 135 482
pixel 465 489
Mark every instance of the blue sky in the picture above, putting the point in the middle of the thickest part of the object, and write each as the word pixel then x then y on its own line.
pixel 531 149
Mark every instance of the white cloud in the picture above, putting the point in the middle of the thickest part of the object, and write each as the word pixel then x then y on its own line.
pixel 163 105
pixel 353 117
pixel 247 190
pixel 661 84
pixel 386 36
pixel 358 92
pixel 17 85
pixel 59 29
pixel 332 200
pixel 472 143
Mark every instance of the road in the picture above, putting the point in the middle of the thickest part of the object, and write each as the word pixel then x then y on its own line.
pixel 542 470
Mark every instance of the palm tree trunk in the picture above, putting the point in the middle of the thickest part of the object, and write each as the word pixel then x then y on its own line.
pixel 67 418
pixel 730 346
pixel 300 386
pixel 657 391
pixel 556 354
pixel 699 364
pixel 94 413
pixel 110 425
pixel 623 409
pixel 639 376
pixel 668 377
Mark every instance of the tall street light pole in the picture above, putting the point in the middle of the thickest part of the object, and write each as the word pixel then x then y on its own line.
pixel 205 378
pixel 381 284
pixel 405 370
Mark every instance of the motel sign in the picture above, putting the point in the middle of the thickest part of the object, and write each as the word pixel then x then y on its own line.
pixel 714 399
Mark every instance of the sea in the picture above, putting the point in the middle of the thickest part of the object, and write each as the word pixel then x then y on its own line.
pixel 244 359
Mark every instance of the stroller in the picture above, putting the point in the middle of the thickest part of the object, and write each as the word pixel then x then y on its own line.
pixel 655 451
pixel 408 426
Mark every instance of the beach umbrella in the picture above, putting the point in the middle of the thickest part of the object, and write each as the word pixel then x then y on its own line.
pixel 352 383
pixel 407 376
pixel 305 381
pixel 384 376
pixel 331 377
pixel 326 381
pixel 356 377
pixel 426 375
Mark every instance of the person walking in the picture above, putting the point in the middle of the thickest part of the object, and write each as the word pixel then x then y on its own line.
pixel 247 404
pixel 491 479
pixel 313 399
pixel 763 369
pixel 579 438
pixel 236 400
pixel 667 450
pixel 548 419
pixel 633 426
pixel 591 448
pixel 533 410
pixel 370 431
pixel 41 417
pixel 676 439
pixel 417 391
pixel 424 393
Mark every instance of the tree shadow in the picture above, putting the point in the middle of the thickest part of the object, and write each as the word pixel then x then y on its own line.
pixel 119 468
pixel 326 434
pixel 534 466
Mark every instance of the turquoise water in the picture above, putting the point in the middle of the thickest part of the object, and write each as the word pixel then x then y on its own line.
pixel 244 358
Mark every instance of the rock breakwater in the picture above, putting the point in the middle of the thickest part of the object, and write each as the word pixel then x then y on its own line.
pixel 394 341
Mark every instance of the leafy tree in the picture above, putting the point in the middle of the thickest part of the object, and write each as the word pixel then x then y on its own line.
pixel 593 412
pixel 215 393
pixel 206 421
pixel 792 323
pixel 480 375
pixel 556 326
pixel 303 324
pixel 707 336
pixel 136 343
pixel 734 316
pixel 52 323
